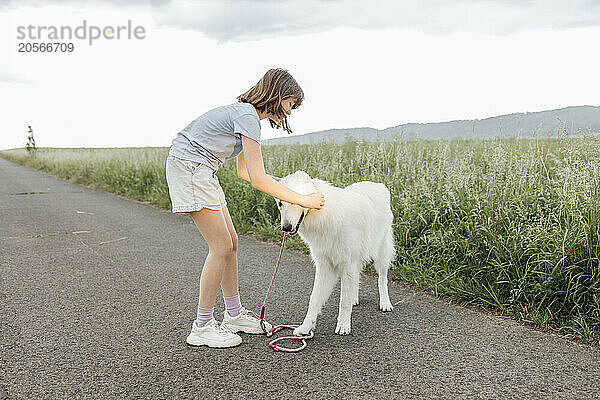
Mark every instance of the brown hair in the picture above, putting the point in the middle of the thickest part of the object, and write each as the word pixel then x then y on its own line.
pixel 271 89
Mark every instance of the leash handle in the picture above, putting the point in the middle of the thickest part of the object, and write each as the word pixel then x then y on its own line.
pixel 287 349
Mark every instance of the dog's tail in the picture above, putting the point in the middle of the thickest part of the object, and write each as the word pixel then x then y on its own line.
pixel 388 248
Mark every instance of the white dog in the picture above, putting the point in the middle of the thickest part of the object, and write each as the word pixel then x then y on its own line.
pixel 354 227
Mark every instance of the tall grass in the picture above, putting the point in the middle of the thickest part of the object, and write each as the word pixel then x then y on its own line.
pixel 506 224
pixel 138 173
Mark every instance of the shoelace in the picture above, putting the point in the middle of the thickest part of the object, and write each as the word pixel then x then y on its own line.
pixel 249 313
pixel 224 331
pixel 245 312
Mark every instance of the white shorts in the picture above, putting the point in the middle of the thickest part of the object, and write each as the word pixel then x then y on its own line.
pixel 193 186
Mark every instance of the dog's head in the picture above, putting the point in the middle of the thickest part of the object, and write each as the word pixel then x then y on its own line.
pixel 292 215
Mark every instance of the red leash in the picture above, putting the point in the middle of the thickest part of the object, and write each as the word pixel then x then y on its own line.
pixel 280 327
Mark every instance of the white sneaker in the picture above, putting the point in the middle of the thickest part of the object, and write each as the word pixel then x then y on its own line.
pixel 212 335
pixel 244 322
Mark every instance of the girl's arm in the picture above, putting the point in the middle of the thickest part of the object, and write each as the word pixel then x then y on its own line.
pixel 265 183
pixel 242 171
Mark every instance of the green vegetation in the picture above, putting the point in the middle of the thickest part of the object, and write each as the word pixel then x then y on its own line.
pixel 510 225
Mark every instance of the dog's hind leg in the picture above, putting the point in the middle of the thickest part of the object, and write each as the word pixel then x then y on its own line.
pixel 357 290
pixel 347 297
pixel 383 261
pixel 325 279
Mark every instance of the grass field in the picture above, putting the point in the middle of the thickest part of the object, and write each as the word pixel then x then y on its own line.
pixel 511 225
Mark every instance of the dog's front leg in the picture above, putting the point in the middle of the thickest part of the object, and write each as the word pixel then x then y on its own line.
pixel 325 280
pixel 348 295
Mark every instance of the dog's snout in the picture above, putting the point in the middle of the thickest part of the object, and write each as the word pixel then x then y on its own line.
pixel 287 227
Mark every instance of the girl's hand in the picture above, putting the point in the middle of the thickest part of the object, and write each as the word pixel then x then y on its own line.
pixel 313 200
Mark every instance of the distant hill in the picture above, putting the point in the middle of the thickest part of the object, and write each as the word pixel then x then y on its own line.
pixel 574 120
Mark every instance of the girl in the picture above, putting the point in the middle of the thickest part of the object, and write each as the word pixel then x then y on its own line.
pixel 194 158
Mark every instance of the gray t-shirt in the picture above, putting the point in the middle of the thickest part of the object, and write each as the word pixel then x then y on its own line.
pixel 215 136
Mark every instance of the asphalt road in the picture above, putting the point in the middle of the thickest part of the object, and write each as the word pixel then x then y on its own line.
pixel 98 294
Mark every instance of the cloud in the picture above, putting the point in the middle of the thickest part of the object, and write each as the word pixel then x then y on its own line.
pixel 242 20
pixel 227 20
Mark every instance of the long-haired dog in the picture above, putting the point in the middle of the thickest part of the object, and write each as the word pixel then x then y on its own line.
pixel 353 228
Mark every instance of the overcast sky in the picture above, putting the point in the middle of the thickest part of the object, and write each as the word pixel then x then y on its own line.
pixel 376 64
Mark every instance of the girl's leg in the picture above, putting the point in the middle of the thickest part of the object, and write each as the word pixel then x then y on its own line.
pixel 229 283
pixel 221 253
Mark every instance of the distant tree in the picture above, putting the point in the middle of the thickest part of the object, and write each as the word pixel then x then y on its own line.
pixel 30 146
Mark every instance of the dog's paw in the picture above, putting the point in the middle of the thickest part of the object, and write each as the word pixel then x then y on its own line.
pixel 386 306
pixel 302 330
pixel 355 303
pixel 342 329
